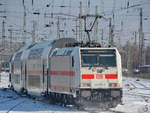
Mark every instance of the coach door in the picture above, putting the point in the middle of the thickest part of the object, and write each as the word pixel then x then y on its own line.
pixel 61 73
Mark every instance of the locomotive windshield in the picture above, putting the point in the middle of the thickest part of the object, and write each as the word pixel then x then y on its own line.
pixel 108 60
pixel 89 60
pixel 97 58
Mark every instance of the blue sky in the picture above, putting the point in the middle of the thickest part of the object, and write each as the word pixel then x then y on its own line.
pixel 128 16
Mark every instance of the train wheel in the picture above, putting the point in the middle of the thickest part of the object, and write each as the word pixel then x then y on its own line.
pixel 12 87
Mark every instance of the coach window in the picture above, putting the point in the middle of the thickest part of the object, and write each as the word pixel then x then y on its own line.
pixel 54 53
pixel 18 56
pixel 35 53
pixel 69 52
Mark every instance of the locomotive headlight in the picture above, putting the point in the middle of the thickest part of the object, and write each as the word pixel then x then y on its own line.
pixel 86 94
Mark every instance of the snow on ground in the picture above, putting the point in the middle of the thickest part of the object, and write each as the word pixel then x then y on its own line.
pixel 136 96
pixel 4 80
pixel 136 99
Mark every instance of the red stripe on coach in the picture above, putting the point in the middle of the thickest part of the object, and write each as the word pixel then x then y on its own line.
pixel 62 73
pixel 87 76
pixel 111 76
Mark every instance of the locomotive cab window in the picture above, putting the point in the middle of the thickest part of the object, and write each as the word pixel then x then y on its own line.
pixel 89 60
pixel 107 60
pixel 98 58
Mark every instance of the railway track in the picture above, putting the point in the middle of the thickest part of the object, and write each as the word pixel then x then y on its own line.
pixel 7 97
pixel 14 106
pixel 133 86
pixel 143 95
pixel 7 100
pixel 44 106
pixel 141 84
pixel 138 89
pixel 138 85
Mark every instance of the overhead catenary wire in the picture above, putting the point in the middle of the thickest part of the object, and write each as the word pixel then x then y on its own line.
pixel 66 6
